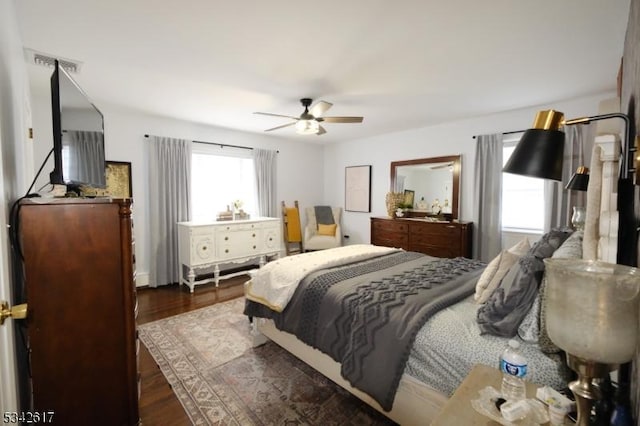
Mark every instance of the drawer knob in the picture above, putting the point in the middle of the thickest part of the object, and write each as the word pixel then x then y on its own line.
pixel 226 238
pixel 226 250
pixel 254 247
pixel 254 235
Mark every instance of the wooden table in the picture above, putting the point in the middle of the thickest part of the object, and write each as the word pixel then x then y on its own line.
pixel 458 410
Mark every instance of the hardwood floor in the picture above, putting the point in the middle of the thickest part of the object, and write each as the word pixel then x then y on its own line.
pixel 158 403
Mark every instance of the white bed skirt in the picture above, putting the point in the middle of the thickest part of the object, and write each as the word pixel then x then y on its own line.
pixel 415 403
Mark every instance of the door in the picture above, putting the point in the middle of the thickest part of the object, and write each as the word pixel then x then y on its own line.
pixel 8 373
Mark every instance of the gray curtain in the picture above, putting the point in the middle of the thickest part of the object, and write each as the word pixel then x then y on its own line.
pixel 487 235
pixel 86 156
pixel 558 201
pixel 266 165
pixel 169 202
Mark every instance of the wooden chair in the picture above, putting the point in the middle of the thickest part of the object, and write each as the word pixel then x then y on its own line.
pixel 292 229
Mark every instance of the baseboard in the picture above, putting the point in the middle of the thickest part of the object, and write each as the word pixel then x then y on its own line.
pixel 142 280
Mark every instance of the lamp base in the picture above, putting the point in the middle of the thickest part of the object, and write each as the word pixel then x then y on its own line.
pixel 583 390
pixel 578 218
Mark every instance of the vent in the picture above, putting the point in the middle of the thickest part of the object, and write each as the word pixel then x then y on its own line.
pixel 47 60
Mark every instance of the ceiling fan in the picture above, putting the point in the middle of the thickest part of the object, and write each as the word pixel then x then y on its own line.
pixel 309 121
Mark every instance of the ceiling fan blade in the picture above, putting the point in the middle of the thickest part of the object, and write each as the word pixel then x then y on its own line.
pixel 342 119
pixel 321 131
pixel 280 127
pixel 441 166
pixel 320 108
pixel 276 115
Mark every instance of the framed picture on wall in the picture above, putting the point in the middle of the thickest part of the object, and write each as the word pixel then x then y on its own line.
pixel 357 189
pixel 409 198
pixel 118 174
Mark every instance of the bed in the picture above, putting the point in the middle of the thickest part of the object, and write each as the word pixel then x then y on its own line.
pixel 341 310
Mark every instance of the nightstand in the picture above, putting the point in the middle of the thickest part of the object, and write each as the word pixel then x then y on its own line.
pixel 458 410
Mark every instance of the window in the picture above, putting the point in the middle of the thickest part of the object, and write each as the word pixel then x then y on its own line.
pixel 220 178
pixel 522 198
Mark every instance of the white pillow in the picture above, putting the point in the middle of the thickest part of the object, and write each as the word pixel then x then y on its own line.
pixel 486 276
pixel 521 248
pixel 498 268
pixel 506 260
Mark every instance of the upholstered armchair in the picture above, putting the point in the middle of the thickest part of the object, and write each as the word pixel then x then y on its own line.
pixel 314 238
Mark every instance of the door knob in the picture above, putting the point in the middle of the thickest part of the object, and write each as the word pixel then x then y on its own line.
pixel 17 312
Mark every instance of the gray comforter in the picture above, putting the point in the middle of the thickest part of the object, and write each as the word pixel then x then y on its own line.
pixel 365 315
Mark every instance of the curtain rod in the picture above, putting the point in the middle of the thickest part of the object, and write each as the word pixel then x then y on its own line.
pixel 507 133
pixel 221 145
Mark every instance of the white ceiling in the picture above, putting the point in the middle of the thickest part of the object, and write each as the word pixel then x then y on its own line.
pixel 401 65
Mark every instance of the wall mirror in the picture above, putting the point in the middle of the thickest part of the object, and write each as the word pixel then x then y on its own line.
pixel 432 183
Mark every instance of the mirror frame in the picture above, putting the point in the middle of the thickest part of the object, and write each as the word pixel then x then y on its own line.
pixel 455 159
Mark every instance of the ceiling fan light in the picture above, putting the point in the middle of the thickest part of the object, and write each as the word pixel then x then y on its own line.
pixel 307 127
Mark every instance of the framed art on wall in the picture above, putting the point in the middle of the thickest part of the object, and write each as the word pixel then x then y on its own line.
pixel 357 189
pixel 409 196
pixel 118 174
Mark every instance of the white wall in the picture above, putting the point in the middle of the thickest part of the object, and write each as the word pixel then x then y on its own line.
pixel 442 140
pixel 300 166
pixel 14 108
pixel 15 166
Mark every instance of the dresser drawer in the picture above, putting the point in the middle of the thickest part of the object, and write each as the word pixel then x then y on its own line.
pixel 447 230
pixel 241 226
pixel 389 233
pixel 238 243
pixel 390 226
pixel 436 250
pixel 434 240
pixel 237 236
pixel 390 239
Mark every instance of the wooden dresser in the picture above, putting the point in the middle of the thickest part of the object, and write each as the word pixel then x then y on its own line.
pixel 79 269
pixel 211 244
pixel 440 239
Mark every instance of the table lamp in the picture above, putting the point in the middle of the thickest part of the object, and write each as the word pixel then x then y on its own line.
pixel 580 179
pixel 593 311
pixel 579 182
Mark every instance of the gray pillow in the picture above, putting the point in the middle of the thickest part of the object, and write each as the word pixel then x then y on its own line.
pixel 512 300
pixel 570 249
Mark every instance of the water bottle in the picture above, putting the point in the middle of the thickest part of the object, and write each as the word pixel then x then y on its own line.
pixel 514 368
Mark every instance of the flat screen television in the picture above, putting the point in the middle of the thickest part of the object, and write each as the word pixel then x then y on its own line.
pixel 78 135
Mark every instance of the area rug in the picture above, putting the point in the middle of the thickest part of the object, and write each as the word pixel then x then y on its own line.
pixel 207 358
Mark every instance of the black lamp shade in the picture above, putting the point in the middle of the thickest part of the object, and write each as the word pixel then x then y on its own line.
pixel 538 154
pixel 580 180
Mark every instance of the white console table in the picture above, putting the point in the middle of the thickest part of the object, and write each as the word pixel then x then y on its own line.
pixel 204 245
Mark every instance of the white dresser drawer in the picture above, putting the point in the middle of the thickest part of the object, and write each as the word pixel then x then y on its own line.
pixel 239 226
pixel 237 243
